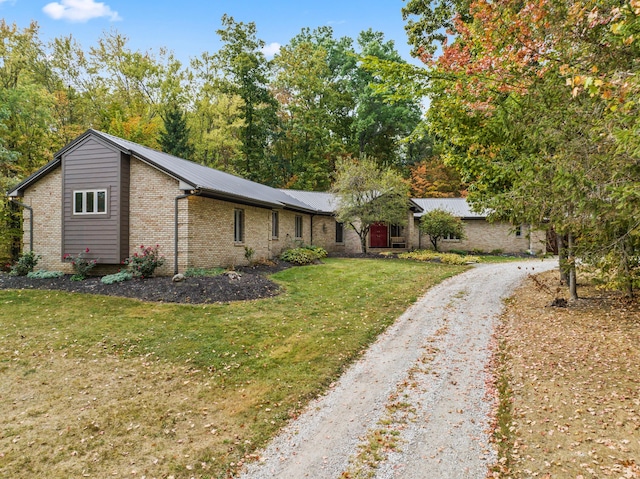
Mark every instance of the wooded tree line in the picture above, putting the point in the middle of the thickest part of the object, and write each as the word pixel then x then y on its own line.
pixel 536 104
pixel 283 122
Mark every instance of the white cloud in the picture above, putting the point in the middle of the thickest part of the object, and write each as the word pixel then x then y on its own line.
pixel 79 10
pixel 271 49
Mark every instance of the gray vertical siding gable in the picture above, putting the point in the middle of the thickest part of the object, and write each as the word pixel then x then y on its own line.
pixel 125 180
pixel 93 164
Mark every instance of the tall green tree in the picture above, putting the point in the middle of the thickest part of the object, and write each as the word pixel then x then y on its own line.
pixel 216 119
pixel 26 100
pixel 381 125
pixel 174 139
pixel 305 144
pixel 244 72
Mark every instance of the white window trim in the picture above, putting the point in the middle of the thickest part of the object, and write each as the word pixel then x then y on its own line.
pixel 95 204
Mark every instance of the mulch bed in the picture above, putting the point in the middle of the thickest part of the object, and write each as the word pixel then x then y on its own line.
pixel 252 283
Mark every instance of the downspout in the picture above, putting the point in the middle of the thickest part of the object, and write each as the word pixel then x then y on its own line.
pixel 311 236
pixel 13 200
pixel 175 229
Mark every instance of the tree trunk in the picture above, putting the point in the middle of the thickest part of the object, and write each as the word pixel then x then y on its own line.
pixel 562 259
pixel 362 234
pixel 434 242
pixel 363 243
pixel 573 286
pixel 627 253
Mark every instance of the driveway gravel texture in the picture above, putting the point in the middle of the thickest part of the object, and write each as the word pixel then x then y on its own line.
pixel 421 391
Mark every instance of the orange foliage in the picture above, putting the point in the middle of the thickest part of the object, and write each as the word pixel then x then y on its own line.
pixel 137 129
pixel 433 179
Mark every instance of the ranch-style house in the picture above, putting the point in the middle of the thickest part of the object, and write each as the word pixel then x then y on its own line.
pixel 111 196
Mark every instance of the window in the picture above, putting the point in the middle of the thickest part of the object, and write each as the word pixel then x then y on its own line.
pixel 397 230
pixel 298 227
pixel 450 237
pixel 89 202
pixel 339 232
pixel 238 226
pixel 275 224
pixel 519 231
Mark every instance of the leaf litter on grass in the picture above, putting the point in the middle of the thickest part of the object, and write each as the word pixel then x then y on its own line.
pixel 572 405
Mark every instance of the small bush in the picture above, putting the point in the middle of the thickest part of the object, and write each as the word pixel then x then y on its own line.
pixel 143 263
pixel 303 255
pixel 447 258
pixel 419 255
pixel 81 265
pixel 248 253
pixel 44 274
pixel 496 252
pixel 117 277
pixel 318 250
pixel 451 258
pixel 194 272
pixel 25 264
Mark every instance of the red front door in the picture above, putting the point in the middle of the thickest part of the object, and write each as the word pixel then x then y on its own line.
pixel 378 234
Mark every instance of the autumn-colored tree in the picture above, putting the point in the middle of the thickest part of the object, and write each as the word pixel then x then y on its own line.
pixel 433 179
pixel 507 100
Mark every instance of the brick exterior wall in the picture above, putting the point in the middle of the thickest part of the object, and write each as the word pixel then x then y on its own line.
pixel 45 197
pixel 206 227
pixel 211 238
pixel 487 237
pixel 151 217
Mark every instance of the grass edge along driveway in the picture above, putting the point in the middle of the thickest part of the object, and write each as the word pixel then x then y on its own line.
pixel 108 387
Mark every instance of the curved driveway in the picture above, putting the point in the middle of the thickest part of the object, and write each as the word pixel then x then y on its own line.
pixel 424 379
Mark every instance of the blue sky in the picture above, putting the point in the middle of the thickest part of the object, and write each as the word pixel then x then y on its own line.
pixel 188 27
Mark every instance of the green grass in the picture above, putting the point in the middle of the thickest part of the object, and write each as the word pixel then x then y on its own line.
pixel 240 370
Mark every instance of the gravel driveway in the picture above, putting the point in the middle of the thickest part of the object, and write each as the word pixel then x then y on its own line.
pixel 418 396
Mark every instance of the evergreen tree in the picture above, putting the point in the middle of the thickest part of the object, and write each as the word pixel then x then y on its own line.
pixel 175 137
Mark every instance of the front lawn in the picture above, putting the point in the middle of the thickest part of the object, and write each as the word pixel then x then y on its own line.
pixel 96 386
